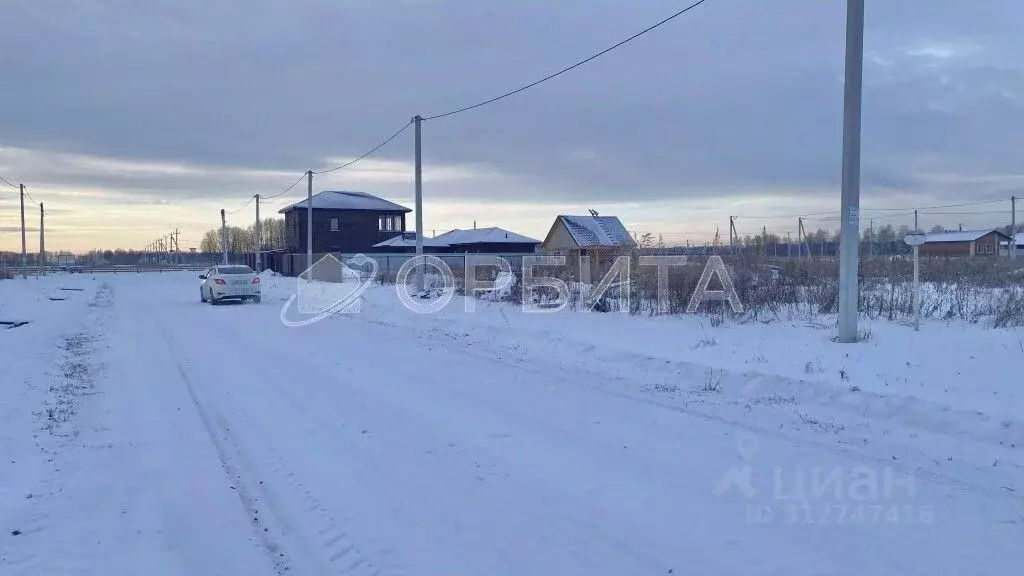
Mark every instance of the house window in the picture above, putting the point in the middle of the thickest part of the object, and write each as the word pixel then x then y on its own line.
pixel 390 223
pixel 334 225
pixel 985 248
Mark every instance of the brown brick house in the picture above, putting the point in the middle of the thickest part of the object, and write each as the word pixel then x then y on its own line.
pixel 969 243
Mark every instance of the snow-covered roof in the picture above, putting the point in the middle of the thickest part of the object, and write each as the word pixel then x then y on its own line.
pixel 347 200
pixel 484 236
pixel 591 231
pixel 459 238
pixel 408 240
pixel 957 236
pixel 1018 239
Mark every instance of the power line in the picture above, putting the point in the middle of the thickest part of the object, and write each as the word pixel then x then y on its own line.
pixel 567 69
pixel 963 213
pixel 979 203
pixel 903 211
pixel 286 190
pixel 371 151
pixel 4 180
pixel 803 215
pixel 242 207
pixel 31 199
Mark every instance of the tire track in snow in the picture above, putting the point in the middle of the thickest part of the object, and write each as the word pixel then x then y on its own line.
pixel 221 438
pixel 337 555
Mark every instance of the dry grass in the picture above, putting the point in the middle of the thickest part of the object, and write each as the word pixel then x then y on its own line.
pixel 989 291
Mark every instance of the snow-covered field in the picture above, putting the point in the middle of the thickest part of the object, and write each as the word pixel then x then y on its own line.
pixel 142 432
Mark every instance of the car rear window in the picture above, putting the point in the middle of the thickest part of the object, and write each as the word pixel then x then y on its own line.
pixel 234 270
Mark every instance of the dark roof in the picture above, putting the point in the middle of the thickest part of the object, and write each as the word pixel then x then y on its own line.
pixel 347 200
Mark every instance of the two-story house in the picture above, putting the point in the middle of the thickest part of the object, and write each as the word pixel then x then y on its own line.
pixel 343 221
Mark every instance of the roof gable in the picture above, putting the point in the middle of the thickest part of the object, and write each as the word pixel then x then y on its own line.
pixel 597 231
pixel 347 200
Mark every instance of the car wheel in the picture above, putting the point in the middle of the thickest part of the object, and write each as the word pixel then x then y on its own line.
pixel 202 295
pixel 213 299
pixel 256 299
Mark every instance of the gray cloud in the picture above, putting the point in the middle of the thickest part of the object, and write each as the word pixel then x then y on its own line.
pixel 733 95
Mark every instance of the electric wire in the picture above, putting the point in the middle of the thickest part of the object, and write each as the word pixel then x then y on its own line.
pixel 242 207
pixel 286 190
pixel 369 152
pixel 568 68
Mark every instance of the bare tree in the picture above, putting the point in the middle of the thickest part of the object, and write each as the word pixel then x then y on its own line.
pixel 210 241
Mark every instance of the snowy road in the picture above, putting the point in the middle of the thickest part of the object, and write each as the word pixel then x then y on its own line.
pixel 222 442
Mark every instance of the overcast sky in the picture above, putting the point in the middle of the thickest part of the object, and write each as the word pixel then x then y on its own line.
pixel 128 119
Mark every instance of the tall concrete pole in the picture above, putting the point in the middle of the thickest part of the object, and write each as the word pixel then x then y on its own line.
pixel 419 203
pixel 849 242
pixel 1013 227
pixel 42 241
pixel 256 243
pixel 224 235
pixel 24 253
pixel 309 220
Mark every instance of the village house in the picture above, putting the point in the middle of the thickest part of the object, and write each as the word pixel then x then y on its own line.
pixel 964 243
pixel 343 221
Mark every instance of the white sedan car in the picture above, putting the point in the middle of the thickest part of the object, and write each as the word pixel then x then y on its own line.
pixel 229 282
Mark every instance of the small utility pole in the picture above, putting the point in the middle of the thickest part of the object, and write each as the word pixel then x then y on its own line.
pixel 419 203
pixel 224 235
pixel 256 238
pixel 849 243
pixel 24 254
pixel 915 221
pixel 309 220
pixel 42 242
pixel 802 237
pixel 177 247
pixel 732 233
pixel 1013 226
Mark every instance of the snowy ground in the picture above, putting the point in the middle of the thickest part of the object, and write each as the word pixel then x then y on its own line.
pixel 144 432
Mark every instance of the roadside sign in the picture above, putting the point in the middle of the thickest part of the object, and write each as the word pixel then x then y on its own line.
pixel 915 239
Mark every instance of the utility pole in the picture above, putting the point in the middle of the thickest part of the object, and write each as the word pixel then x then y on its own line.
pixel 256 241
pixel 177 247
pixel 309 220
pixel 732 232
pixel 849 243
pixel 419 203
pixel 915 221
pixel 1013 227
pixel 801 238
pixel 871 237
pixel 42 242
pixel 224 235
pixel 24 254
